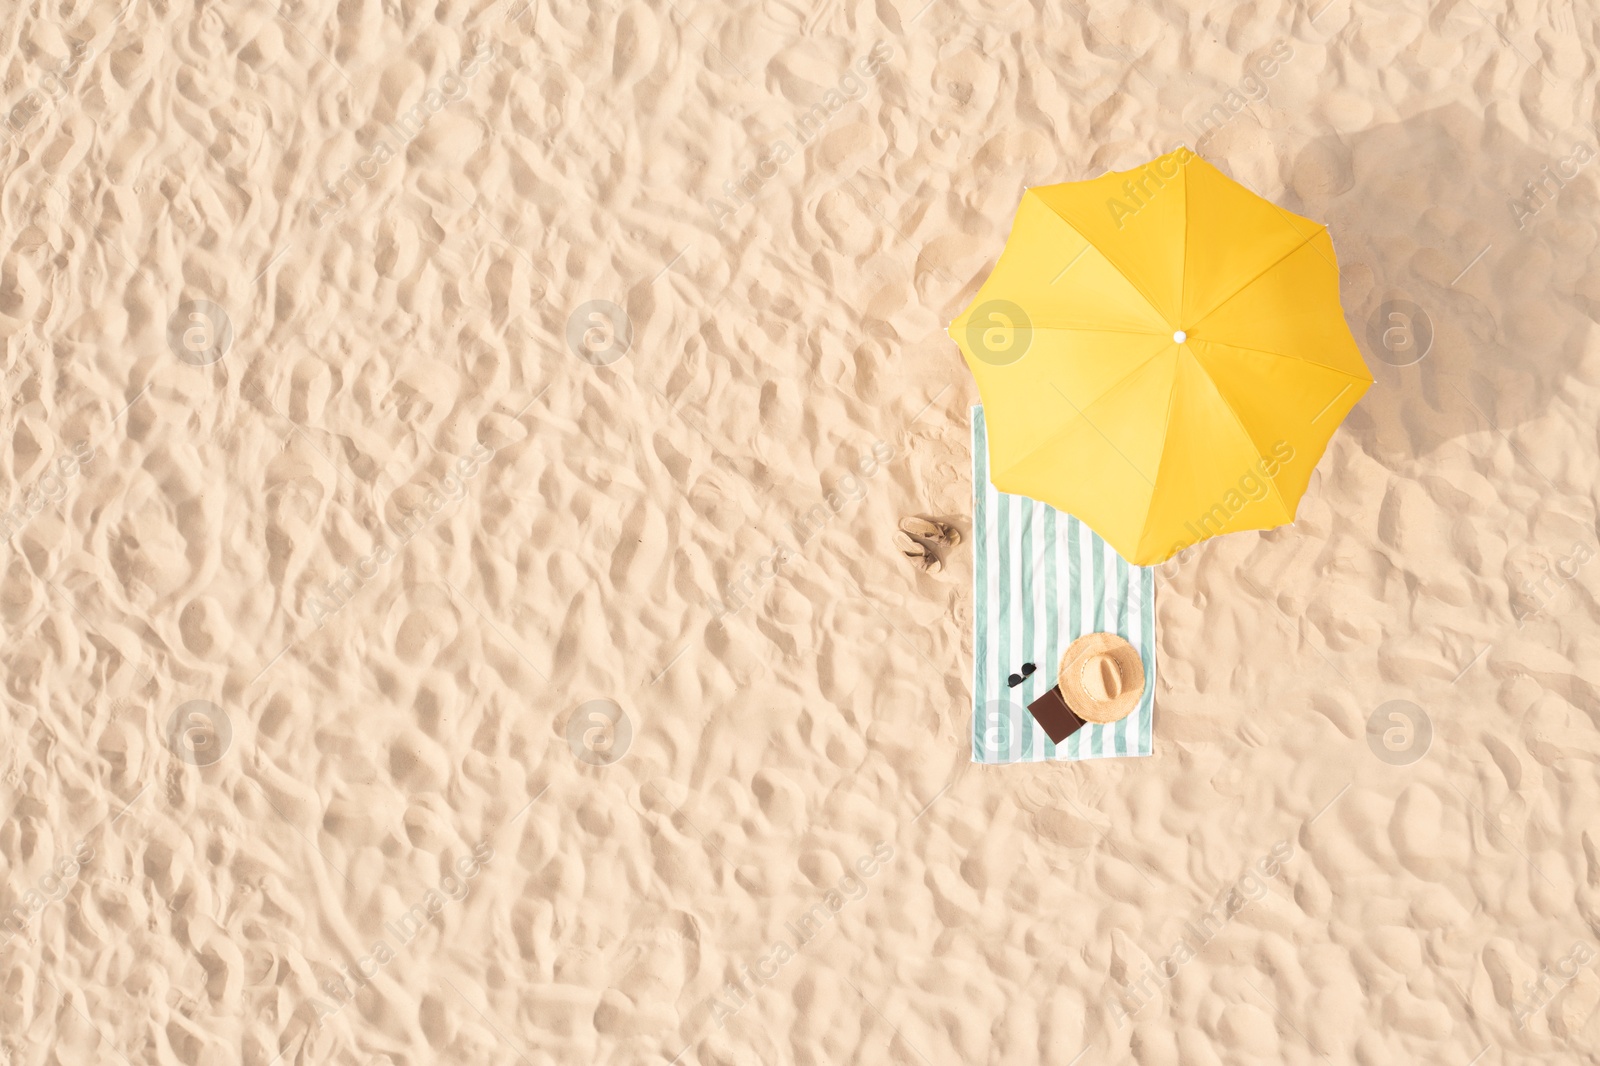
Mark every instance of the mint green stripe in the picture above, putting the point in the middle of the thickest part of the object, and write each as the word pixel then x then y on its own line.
pixel 980 620
pixel 1121 602
pixel 1026 599
pixel 1002 640
pixel 1052 655
pixel 1098 559
pixel 1075 578
pixel 1123 727
pixel 1097 743
pixel 1075 611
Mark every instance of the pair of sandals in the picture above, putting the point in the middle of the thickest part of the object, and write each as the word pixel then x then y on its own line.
pixel 916 538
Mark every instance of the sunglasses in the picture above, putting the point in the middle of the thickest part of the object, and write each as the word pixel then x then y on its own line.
pixel 1016 679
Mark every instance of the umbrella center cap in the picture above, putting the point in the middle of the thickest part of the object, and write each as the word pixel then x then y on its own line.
pixel 1179 336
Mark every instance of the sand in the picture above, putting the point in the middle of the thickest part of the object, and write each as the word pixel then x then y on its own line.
pixel 450 612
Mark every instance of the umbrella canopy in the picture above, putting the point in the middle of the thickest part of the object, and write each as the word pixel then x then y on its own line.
pixel 1161 353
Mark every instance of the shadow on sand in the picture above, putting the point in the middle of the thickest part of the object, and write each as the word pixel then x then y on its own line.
pixel 1467 255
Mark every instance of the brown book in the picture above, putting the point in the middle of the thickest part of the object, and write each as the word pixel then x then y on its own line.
pixel 1052 712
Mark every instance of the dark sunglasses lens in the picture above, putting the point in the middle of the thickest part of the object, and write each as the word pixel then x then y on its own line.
pixel 1014 680
pixel 1028 669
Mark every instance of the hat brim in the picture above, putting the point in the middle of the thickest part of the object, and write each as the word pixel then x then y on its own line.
pixel 1129 666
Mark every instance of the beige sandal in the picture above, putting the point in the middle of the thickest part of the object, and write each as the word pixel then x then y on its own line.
pixel 920 554
pixel 937 532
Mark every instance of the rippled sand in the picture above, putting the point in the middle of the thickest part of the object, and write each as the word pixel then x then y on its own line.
pixel 449 607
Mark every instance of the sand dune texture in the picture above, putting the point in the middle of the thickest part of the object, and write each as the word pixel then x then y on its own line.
pixel 451 454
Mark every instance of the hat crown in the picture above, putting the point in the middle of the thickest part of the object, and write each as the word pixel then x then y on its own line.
pixel 1102 679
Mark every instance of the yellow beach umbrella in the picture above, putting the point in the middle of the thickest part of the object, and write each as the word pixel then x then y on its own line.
pixel 1161 353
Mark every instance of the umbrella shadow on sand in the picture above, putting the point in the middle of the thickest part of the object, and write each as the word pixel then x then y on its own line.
pixel 1470 271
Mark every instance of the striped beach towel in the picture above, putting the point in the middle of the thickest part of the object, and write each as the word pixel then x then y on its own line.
pixel 1041 580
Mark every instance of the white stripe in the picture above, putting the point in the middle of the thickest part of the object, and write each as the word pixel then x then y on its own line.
pixel 1119 599
pixel 1114 593
pixel 1136 638
pixel 1125 727
pixel 992 579
pixel 1063 610
pixel 1079 604
pixel 992 752
pixel 1044 562
pixel 1018 509
pixel 996 620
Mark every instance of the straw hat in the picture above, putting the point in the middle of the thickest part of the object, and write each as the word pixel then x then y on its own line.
pixel 1102 677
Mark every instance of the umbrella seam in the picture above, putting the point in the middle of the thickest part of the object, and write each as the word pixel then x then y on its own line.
pixel 1166 436
pixel 1095 329
pixel 1292 358
pixel 1288 513
pixel 1115 265
pixel 1183 268
pixel 1220 304
pixel 1083 413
